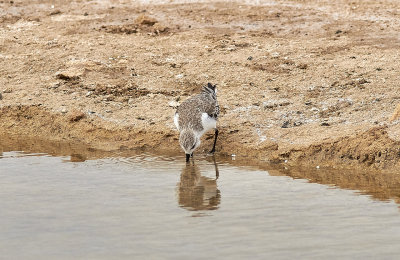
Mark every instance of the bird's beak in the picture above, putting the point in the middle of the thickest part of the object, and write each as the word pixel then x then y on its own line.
pixel 187 157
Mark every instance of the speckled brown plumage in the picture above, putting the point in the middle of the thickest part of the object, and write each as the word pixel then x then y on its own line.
pixel 191 110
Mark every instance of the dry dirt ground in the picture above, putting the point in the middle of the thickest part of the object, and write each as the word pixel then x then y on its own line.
pixel 302 82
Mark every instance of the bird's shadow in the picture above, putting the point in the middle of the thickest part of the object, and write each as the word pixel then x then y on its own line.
pixel 198 192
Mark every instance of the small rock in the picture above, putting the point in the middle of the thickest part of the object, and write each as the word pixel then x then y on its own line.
pixel 131 101
pixel 286 124
pixel 64 110
pixel 70 74
pixel 297 123
pixel 89 93
pixel 55 12
pixel 179 76
pixel 55 85
pixel 145 20
pixel 159 28
pixel 317 167
pixel 302 66
pixel 250 58
pixel 76 115
pixel 133 72
pixel 275 54
pixel 275 103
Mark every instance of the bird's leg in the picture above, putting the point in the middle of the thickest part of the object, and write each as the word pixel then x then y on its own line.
pixel 191 155
pixel 216 168
pixel 215 141
pixel 187 157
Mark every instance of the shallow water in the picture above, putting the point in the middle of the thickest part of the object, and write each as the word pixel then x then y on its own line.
pixel 155 207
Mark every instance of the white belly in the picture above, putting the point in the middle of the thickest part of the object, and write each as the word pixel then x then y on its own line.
pixel 208 122
pixel 176 120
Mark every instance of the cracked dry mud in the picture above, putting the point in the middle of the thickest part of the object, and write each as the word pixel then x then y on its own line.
pixel 307 82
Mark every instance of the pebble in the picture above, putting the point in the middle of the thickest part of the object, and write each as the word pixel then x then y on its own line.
pixel 275 54
pixel 286 124
pixel 76 115
pixel 275 103
pixel 64 110
pixel 69 74
pixel 55 85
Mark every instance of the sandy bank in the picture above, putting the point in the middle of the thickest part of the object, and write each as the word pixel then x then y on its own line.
pixel 313 84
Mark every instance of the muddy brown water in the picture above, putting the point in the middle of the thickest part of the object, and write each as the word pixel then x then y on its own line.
pixel 62 201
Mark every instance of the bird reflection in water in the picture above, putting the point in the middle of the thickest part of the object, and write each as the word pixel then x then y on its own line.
pixel 197 192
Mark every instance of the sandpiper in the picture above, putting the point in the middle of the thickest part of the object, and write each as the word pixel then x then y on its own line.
pixel 196 116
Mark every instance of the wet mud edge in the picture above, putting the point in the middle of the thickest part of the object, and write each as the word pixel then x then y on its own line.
pixel 369 150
